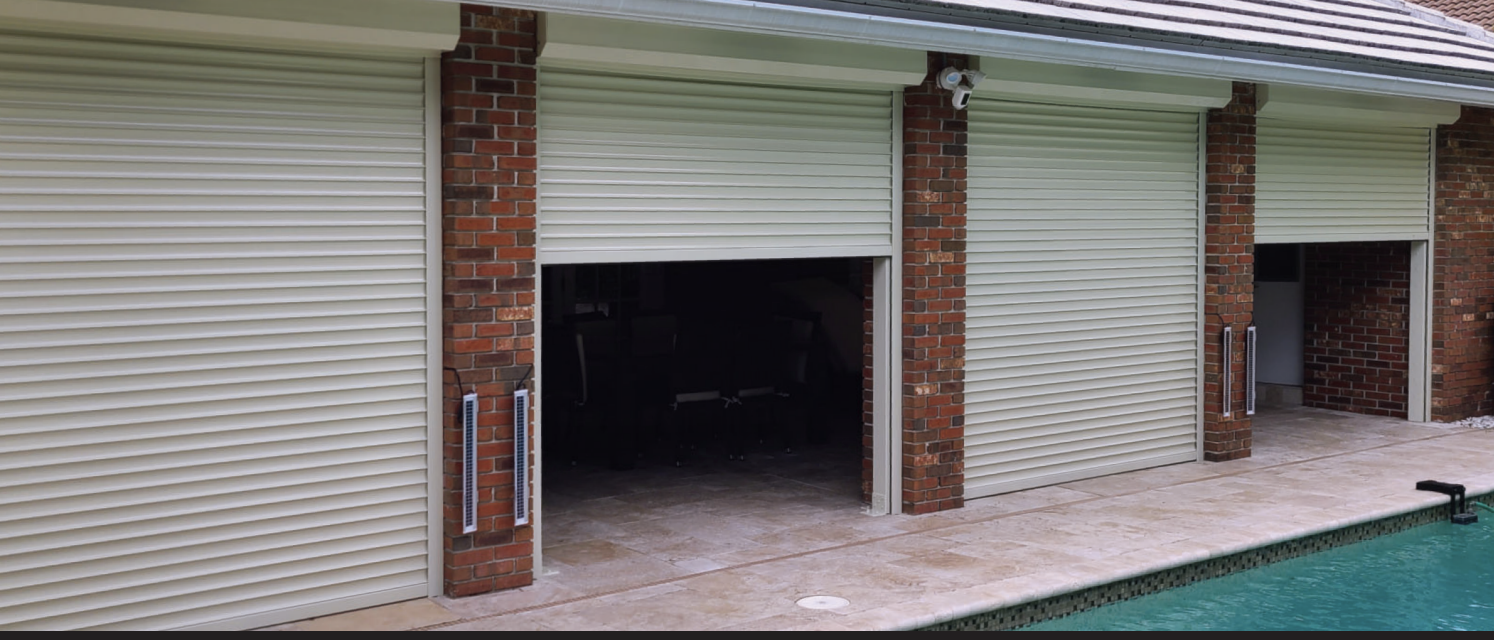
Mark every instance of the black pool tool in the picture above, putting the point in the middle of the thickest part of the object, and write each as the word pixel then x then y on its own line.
pixel 1459 495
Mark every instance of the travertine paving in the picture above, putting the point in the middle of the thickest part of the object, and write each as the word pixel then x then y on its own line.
pixel 726 547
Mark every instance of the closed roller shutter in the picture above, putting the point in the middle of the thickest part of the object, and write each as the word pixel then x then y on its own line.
pixel 645 170
pixel 1083 285
pixel 212 334
pixel 1326 183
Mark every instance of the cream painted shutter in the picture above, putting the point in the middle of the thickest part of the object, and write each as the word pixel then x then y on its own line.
pixel 1083 293
pixel 1324 183
pixel 212 334
pixel 645 170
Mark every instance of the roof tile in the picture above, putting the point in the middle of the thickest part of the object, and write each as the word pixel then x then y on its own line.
pixel 1479 12
pixel 1374 31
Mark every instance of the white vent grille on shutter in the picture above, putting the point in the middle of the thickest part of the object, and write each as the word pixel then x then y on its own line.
pixel 521 457
pixel 469 463
pixel 1227 376
pixel 1250 364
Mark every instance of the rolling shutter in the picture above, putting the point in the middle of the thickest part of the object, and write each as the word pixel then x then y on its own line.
pixel 1083 293
pixel 1318 182
pixel 645 170
pixel 213 336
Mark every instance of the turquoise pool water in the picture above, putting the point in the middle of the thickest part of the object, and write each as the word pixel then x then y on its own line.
pixel 1434 577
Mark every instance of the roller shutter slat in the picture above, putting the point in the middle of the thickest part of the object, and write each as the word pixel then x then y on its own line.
pixel 648 170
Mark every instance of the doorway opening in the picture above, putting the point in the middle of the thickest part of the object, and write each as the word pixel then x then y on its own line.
pixel 689 407
pixel 1335 326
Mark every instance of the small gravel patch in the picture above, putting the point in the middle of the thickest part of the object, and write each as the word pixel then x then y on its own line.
pixel 1480 422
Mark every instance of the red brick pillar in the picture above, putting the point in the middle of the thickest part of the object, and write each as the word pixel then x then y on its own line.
pixel 488 221
pixel 933 387
pixel 1463 269
pixel 1229 269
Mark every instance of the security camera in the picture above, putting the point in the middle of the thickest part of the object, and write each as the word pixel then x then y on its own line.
pixel 961 97
pixel 952 79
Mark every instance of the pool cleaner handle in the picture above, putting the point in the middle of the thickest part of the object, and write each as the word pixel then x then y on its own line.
pixel 1459 495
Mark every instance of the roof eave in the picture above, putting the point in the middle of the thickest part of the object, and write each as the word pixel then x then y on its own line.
pixel 927 33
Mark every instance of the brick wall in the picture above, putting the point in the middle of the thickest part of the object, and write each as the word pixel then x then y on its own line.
pixel 1463 269
pixel 933 341
pixel 1357 335
pixel 488 224
pixel 1229 270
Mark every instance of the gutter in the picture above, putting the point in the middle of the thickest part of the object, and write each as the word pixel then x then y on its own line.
pixel 821 24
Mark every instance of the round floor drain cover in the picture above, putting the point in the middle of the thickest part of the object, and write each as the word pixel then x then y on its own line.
pixel 823 602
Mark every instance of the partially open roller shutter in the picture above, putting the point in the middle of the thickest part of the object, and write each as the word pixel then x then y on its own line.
pixel 1323 183
pixel 646 169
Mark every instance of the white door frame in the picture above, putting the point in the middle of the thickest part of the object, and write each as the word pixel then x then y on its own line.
pixel 886 372
pixel 1419 342
pixel 887 359
pixel 886 356
pixel 435 329
pixel 1203 281
pixel 1423 282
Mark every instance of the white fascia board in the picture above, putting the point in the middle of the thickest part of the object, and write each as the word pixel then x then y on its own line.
pixel 1300 103
pixel 1040 82
pixel 756 17
pixel 426 26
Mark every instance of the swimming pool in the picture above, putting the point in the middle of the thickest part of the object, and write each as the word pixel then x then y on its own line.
pixel 1433 577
